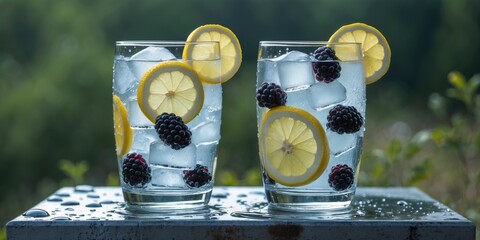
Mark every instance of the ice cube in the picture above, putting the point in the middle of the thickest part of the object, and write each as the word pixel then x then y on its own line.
pixel 207 154
pixel 209 132
pixel 165 177
pixel 213 97
pixel 136 116
pixel 142 138
pixel 295 71
pixel 341 143
pixel 299 99
pixel 322 95
pixel 350 157
pixel 205 116
pixel 352 77
pixel 145 59
pixel 164 155
pixel 123 78
pixel 267 72
pixel 153 54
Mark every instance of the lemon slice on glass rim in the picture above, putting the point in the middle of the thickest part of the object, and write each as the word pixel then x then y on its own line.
pixel 293 146
pixel 122 130
pixel 375 48
pixel 171 87
pixel 230 53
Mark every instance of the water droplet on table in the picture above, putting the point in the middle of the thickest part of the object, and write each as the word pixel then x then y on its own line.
pixel 93 195
pixel 69 203
pixel 62 194
pixel 61 218
pixel 93 205
pixel 36 213
pixel 220 195
pixel 54 199
pixel 83 188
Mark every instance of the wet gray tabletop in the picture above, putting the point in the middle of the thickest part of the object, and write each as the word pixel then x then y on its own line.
pixel 86 212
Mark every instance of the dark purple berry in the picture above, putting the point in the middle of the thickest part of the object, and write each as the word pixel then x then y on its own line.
pixel 327 69
pixel 197 177
pixel 135 170
pixel 344 119
pixel 172 131
pixel 341 177
pixel 271 95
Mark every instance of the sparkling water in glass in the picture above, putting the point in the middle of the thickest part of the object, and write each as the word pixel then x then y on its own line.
pixel 165 185
pixel 293 66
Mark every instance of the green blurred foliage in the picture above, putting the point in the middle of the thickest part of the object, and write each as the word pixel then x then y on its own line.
pixel 383 167
pixel 443 160
pixel 56 68
pixel 75 172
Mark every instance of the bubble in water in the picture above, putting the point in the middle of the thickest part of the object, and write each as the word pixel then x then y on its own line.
pixel 36 213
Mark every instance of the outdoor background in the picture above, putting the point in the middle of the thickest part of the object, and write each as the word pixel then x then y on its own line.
pixel 56 105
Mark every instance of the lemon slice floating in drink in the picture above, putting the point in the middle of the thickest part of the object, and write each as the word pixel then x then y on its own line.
pixel 122 130
pixel 293 146
pixel 230 53
pixel 171 87
pixel 375 48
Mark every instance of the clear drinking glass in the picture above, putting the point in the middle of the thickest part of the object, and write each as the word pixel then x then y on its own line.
pixel 150 78
pixel 311 118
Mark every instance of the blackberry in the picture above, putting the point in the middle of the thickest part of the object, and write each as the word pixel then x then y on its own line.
pixel 341 177
pixel 172 131
pixel 197 177
pixel 344 119
pixel 135 170
pixel 327 69
pixel 271 95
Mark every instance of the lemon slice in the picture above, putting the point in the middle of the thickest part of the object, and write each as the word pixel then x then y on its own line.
pixel 230 53
pixel 375 48
pixel 121 126
pixel 293 146
pixel 171 87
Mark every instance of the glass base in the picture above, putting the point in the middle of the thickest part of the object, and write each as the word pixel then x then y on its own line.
pixel 166 200
pixel 308 201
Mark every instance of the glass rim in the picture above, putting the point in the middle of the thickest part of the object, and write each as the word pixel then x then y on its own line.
pixel 303 43
pixel 169 43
